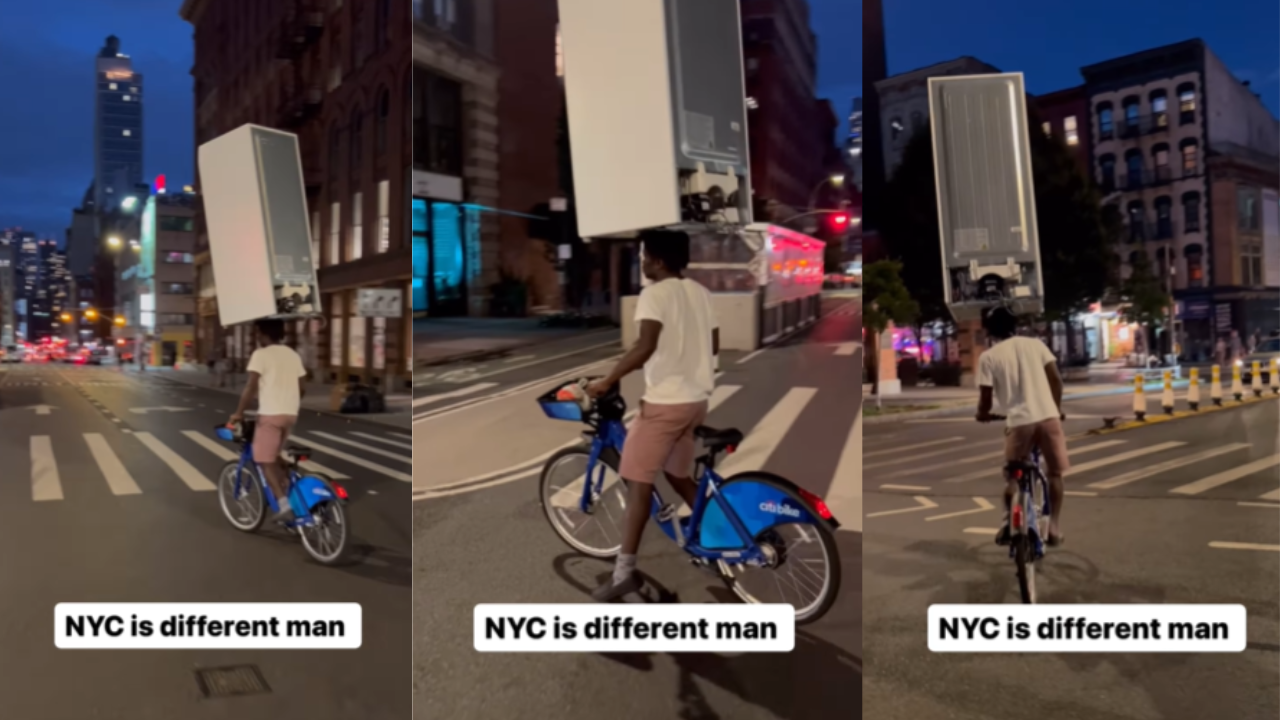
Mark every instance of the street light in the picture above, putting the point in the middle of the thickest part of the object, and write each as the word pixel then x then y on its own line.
pixel 129 203
pixel 91 314
pixel 836 180
pixel 114 241
pixel 119 321
pixel 66 317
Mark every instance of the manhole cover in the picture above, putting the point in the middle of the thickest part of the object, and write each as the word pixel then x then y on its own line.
pixel 231 681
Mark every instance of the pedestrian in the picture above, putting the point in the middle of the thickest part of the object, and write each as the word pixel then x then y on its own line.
pixel 679 338
pixel 1220 351
pixel 1237 346
pixel 277 380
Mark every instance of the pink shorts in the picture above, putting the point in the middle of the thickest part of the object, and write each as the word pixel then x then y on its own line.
pixel 661 439
pixel 270 436
pixel 1048 435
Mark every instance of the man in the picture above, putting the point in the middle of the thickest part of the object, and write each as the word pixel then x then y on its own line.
pixel 1022 375
pixel 679 338
pixel 277 378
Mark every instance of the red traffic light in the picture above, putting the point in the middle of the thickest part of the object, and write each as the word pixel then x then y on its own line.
pixel 839 221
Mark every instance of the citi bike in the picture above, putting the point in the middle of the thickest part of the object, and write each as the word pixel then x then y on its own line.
pixel 737 526
pixel 1028 519
pixel 318 504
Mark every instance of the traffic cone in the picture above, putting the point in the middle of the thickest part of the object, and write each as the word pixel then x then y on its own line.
pixel 1139 398
pixel 1255 382
pixel 1237 387
pixel 1215 388
pixel 1166 396
pixel 1275 376
pixel 1193 390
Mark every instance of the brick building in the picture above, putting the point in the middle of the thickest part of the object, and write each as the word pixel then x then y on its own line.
pixel 336 73
pixel 1064 114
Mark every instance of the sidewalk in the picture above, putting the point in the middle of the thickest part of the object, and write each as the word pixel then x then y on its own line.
pixel 399 410
pixel 437 341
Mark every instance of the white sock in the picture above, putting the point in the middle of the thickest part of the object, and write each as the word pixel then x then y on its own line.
pixel 623 568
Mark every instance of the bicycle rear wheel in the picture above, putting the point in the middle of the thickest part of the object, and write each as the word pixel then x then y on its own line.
pixel 328 538
pixel 598 532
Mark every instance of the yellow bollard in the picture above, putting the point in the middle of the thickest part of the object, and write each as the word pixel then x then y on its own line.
pixel 1139 397
pixel 1255 382
pixel 1237 387
pixel 1215 387
pixel 1275 376
pixel 1193 389
pixel 1166 396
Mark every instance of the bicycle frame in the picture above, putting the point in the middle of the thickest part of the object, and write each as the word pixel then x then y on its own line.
pixel 247 461
pixel 613 434
pixel 1026 491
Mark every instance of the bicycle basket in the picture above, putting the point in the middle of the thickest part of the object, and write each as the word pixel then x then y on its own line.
pixel 560 409
pixel 225 433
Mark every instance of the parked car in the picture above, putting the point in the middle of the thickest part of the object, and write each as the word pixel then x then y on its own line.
pixel 13 354
pixel 1266 351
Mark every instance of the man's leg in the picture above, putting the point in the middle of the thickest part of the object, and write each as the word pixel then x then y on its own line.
pixel 268 439
pixel 1017 446
pixel 679 467
pixel 1053 447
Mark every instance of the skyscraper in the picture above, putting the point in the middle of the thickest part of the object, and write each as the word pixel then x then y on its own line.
pixel 117 136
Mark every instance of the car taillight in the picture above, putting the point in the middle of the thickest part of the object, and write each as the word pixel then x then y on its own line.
pixel 818 504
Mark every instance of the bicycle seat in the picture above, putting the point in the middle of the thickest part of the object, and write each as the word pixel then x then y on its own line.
pixel 716 440
pixel 297 453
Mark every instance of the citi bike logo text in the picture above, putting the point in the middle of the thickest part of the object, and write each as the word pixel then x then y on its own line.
pixel 770 506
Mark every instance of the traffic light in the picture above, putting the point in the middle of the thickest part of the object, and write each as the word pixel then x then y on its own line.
pixel 839 222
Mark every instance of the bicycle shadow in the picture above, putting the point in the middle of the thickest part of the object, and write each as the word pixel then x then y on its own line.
pixel 364 559
pixel 816 680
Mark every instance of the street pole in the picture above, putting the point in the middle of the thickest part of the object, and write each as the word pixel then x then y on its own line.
pixel 1173 351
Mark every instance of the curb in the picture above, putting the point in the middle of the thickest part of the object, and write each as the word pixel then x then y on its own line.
pixel 356 418
pixel 1182 415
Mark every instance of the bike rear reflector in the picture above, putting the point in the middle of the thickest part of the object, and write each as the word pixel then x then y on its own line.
pixel 1016 518
pixel 341 491
pixel 818 503
pixel 729 449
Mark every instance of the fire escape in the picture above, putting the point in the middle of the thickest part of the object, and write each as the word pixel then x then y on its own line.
pixel 302 95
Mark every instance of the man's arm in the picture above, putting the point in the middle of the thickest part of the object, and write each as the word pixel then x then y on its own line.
pixel 984 403
pixel 639 353
pixel 715 341
pixel 1055 383
pixel 250 392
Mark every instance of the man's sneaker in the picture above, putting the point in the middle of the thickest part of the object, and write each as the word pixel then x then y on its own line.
pixel 611 591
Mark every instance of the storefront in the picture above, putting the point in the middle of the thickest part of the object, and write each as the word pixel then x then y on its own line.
pixel 446 237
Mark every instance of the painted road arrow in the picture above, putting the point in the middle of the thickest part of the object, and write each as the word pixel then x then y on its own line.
pixel 145 410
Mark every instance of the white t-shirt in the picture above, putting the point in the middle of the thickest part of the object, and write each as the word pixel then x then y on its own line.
pixel 681 368
pixel 1014 369
pixel 280 368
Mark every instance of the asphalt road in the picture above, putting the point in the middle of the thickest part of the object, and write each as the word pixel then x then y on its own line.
pixel 1145 520
pixel 480 537
pixel 139 532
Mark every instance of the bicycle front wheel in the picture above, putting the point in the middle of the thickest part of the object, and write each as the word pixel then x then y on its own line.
pixel 598 531
pixel 241 497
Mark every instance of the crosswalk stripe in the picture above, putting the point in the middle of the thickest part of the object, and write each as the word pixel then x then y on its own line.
pixel 469 390
pixel 1227 476
pixel 920 456
pixel 980 474
pixel 845 496
pixel 1112 459
pixel 906 449
pixel 394 474
pixel 375 438
pixel 118 478
pixel 45 483
pixel 1274 496
pixel 406 436
pixel 1147 472
pixel 764 438
pixel 376 451
pixel 183 469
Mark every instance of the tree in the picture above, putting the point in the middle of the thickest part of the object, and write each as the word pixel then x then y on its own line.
pixel 1147 301
pixel 885 300
pixel 1076 237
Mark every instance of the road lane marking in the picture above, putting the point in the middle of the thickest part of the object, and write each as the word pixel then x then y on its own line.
pixel 376 451
pixel 848 348
pixel 1259 504
pixel 1243 546
pixel 907 448
pixel 748 356
pixel 406 436
pixel 981 531
pixel 460 392
pixel 1226 476
pixel 923 503
pixel 183 469
pixel 533 466
pixel 45 483
pixel 375 438
pixel 1273 495
pixel 764 438
pixel 574 373
pixel 226 454
pixel 1147 472
pixel 844 497
pixel 393 474
pixel 1113 459
pixel 983 506
pixel 905 487
pixel 118 478
pixel 988 473
pixel 1079 493
pixel 934 453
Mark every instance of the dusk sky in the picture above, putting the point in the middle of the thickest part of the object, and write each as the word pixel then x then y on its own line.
pixel 46 136
pixel 838 24
pixel 1051 44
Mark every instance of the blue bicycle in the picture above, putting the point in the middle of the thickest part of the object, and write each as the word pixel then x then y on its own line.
pixel 1028 519
pixel 318 504
pixel 736 525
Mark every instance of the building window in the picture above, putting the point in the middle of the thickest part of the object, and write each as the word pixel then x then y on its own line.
pixel 1106 127
pixel 384 216
pixel 1164 217
pixel 384 114
pixel 335 76
pixel 357 141
pixel 1159 109
pixel 111 86
pixel 174 319
pixel 1071 130
pixel 336 316
pixel 1107 164
pixel 176 223
pixel 177 288
pixel 316 259
pixel 1132 117
pixel 1047 127
pixel 1194 255
pixel 1186 103
pixel 127 133
pixel 1137 222
pixel 1133 166
pixel 1190 159
pixel 355 248
pixel 1251 263
pixel 335 233
pixel 178 258
pixel 437 123
pixel 895 128
pixel 1247 208
pixel 355 336
pixel 917 121
pixel 382 19
pixel 1191 212
pixel 1160 158
pixel 335 150
pixel 126 98
pixel 752 63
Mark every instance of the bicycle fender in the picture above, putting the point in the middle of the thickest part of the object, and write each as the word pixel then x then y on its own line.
pixel 759 505
pixel 312 491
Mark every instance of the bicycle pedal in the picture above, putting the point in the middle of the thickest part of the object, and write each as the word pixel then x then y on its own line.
pixel 666 512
